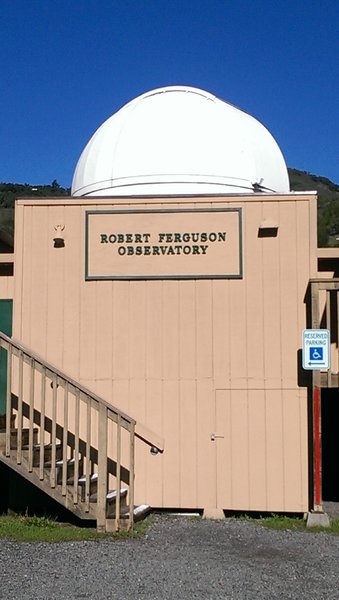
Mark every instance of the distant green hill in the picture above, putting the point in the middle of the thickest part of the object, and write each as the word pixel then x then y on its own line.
pixel 8 193
pixel 328 203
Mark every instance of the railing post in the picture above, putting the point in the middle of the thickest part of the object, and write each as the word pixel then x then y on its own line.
pixel 88 453
pixel 53 436
pixel 9 401
pixel 64 442
pixel 102 469
pixel 329 297
pixel 31 415
pixel 20 392
pixel 131 476
pixel 42 424
pixel 118 475
pixel 76 446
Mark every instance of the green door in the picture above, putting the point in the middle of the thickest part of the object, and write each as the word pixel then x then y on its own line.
pixel 6 310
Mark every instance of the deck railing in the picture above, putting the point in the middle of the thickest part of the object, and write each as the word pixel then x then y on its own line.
pixel 62 432
pixel 324 314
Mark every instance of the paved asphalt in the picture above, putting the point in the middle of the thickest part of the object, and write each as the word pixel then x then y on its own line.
pixel 178 557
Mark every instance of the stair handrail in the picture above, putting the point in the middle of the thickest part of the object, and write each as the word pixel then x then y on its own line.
pixel 105 411
pixel 141 431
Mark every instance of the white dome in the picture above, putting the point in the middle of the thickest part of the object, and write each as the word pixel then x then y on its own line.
pixel 179 140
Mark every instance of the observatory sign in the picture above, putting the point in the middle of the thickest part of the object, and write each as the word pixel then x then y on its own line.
pixel 164 244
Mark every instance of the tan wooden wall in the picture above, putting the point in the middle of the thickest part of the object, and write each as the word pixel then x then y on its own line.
pixel 186 358
pixel 6 287
pixel 6 281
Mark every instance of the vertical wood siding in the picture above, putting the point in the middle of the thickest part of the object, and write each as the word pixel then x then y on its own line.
pixel 186 358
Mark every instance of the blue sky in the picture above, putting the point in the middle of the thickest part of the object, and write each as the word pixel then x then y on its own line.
pixel 66 66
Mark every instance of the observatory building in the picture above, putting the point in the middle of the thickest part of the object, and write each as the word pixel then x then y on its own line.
pixel 158 315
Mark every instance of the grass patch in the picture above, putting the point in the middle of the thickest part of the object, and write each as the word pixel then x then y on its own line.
pixel 334 528
pixel 283 522
pixel 44 529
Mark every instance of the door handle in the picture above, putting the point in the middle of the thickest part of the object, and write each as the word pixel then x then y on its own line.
pixel 214 436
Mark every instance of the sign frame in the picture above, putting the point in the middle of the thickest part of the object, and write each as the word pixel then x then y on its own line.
pixel 316 349
pixel 131 276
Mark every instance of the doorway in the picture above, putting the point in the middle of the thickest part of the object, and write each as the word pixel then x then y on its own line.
pixel 330 443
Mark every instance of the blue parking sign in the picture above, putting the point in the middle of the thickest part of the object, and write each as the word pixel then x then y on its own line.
pixel 316 353
pixel 316 349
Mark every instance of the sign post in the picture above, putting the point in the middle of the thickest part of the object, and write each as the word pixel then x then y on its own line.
pixel 316 357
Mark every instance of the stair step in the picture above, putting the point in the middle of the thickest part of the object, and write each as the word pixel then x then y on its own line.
pixel 93 484
pixel 3 420
pixel 111 496
pixel 139 512
pixel 111 503
pixel 93 478
pixel 14 437
pixel 47 454
pixel 70 470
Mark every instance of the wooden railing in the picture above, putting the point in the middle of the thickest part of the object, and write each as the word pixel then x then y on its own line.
pixel 69 438
pixel 324 314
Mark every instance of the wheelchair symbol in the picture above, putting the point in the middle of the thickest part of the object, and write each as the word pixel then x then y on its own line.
pixel 316 353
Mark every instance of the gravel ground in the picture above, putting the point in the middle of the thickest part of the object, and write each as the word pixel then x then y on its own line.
pixel 178 557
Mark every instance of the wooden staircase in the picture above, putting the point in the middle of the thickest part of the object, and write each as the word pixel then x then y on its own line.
pixel 69 442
